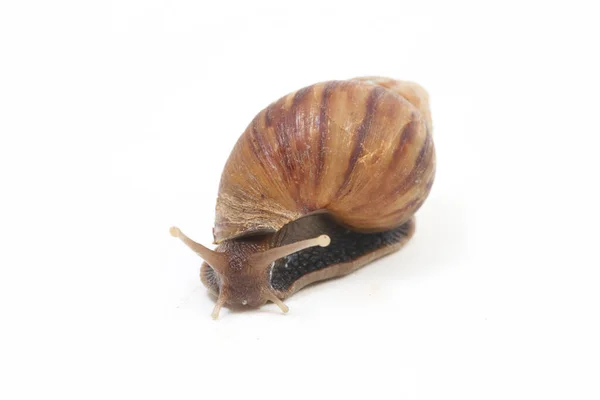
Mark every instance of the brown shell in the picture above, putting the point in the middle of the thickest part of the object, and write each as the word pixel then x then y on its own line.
pixel 359 149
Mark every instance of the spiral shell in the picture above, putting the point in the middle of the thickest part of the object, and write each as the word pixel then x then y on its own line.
pixel 359 149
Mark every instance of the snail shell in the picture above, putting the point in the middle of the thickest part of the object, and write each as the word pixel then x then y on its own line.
pixel 355 149
pixel 350 159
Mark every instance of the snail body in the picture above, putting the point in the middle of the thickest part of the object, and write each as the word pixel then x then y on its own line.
pixel 321 182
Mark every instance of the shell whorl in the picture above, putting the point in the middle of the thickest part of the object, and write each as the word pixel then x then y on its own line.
pixel 359 149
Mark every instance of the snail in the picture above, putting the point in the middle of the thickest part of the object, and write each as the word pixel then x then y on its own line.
pixel 321 182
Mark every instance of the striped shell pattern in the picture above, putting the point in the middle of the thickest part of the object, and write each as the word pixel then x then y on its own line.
pixel 360 150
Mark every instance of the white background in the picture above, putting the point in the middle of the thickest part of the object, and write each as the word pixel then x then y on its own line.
pixel 116 119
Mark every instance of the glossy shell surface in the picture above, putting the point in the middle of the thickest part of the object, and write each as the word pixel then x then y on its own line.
pixel 360 150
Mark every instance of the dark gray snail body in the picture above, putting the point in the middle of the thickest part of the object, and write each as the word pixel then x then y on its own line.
pixel 322 182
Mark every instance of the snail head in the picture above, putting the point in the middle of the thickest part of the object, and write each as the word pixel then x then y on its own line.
pixel 239 271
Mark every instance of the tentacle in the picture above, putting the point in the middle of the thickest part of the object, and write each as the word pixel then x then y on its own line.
pixel 216 260
pixel 271 296
pixel 267 257
pixel 220 302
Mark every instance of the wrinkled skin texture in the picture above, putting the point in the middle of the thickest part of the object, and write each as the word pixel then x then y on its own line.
pixel 243 282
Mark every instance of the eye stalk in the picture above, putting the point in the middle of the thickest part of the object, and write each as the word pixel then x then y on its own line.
pixel 255 264
pixel 270 256
pixel 216 260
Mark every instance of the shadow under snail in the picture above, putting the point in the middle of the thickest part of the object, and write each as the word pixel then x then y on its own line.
pixel 322 182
